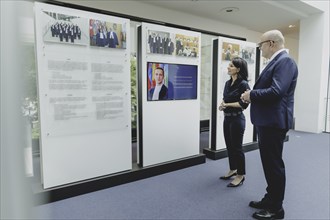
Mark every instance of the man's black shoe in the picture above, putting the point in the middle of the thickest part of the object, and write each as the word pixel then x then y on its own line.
pixel 267 214
pixel 259 204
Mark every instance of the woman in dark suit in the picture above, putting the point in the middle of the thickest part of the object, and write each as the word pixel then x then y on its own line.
pixel 234 121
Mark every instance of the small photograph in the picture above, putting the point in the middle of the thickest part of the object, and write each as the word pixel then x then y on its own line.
pixel 247 53
pixel 107 34
pixel 60 28
pixel 229 51
pixel 159 42
pixel 186 46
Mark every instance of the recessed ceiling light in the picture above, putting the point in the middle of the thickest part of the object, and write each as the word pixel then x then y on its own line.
pixel 229 10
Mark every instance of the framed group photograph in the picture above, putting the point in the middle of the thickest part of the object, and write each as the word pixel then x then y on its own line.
pixel 107 34
pixel 63 28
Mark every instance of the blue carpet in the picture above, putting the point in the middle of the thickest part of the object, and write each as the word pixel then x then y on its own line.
pixel 197 193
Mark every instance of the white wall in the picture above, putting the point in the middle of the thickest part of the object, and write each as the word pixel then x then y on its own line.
pixel 293 46
pixel 313 67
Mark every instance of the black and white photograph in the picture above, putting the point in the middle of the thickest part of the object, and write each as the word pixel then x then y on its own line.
pixel 160 42
pixel 247 53
pixel 61 28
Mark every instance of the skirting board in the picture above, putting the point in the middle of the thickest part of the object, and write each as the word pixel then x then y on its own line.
pixel 137 173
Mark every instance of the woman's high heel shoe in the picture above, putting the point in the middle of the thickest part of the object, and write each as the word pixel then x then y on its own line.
pixel 238 184
pixel 228 177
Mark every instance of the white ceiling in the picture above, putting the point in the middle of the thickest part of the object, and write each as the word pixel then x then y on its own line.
pixel 256 15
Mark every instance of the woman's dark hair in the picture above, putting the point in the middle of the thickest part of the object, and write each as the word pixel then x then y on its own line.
pixel 242 65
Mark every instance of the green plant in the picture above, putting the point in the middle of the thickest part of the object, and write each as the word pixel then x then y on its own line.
pixel 29 97
pixel 133 92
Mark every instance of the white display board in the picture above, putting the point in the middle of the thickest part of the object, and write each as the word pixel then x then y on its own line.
pixel 84 94
pixel 227 49
pixel 170 127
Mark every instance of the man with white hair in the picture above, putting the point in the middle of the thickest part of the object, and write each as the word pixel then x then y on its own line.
pixel 272 99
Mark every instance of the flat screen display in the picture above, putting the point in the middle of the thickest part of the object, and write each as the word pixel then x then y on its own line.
pixel 167 81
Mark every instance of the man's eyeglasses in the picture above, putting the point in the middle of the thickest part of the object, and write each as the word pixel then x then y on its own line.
pixel 262 42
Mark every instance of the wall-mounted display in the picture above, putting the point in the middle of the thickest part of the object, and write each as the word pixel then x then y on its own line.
pixel 107 34
pixel 84 94
pixel 168 81
pixel 226 49
pixel 169 100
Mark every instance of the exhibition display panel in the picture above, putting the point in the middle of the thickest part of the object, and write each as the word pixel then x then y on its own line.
pixel 225 49
pixel 84 94
pixel 168 88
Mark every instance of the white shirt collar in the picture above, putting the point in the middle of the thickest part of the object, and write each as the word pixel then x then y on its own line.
pixel 271 58
pixel 275 54
pixel 156 91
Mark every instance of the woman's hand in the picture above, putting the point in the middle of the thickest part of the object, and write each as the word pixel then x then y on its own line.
pixel 222 106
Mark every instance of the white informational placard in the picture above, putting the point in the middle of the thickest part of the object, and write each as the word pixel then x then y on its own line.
pixel 84 94
pixel 228 49
pixel 170 120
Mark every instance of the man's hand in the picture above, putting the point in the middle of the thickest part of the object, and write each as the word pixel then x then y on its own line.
pixel 245 97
